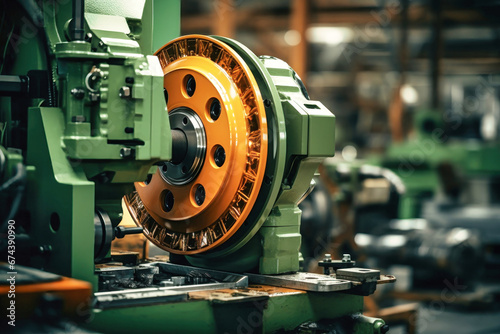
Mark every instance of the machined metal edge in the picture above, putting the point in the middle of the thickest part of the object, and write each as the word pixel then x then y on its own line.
pixel 302 281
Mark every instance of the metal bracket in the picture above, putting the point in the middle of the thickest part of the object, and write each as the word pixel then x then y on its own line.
pixel 302 281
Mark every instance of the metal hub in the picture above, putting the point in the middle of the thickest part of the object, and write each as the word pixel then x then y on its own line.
pixel 184 171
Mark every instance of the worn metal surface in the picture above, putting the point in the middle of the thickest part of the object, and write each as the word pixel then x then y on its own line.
pixel 302 281
pixel 358 274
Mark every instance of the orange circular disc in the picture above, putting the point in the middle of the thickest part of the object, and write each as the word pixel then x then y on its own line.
pixel 194 205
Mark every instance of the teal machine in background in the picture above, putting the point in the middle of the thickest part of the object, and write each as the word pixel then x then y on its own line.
pixel 439 163
pixel 209 148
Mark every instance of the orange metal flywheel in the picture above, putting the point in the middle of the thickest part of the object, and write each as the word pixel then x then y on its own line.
pixel 214 100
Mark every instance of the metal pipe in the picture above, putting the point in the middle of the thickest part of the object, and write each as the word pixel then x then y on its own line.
pixel 78 30
pixel 436 51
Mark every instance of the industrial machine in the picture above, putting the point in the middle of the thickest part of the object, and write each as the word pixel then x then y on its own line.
pixel 206 146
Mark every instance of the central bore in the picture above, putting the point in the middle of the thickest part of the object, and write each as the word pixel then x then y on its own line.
pixel 188 147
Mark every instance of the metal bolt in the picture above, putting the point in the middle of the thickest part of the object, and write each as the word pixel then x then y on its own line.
pixel 101 44
pixel 328 258
pixel 88 37
pixel 168 201
pixel 78 119
pixel 125 92
pixel 78 93
pixel 43 250
pixel 178 280
pixel 215 109
pixel 165 283
pixel 127 152
pixel 267 103
pixel 346 257
pixel 190 85
pixel 199 195
pixel 94 97
pixel 219 156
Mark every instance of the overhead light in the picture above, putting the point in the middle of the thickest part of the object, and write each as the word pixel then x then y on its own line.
pixel 329 35
pixel 409 94
pixel 349 153
pixel 292 37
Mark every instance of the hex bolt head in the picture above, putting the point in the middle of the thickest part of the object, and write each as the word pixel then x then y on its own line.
pixel 328 258
pixel 219 156
pixel 199 195
pixel 127 153
pixel 78 93
pixel 94 97
pixel 346 257
pixel 215 109
pixel 78 119
pixel 178 280
pixel 125 92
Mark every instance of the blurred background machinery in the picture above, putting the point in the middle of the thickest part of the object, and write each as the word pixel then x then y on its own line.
pixel 110 119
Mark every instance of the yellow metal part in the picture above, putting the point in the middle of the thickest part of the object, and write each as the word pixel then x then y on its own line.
pixel 241 129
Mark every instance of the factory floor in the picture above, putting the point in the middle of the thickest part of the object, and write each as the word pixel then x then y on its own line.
pixel 432 320
pixel 449 307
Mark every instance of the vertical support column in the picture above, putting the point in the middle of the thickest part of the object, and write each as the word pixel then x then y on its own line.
pixel 436 50
pixel 224 22
pixel 299 22
pixel 61 200
pixel 281 240
pixel 396 108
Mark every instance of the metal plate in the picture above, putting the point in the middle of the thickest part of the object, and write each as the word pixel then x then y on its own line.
pixel 358 274
pixel 302 281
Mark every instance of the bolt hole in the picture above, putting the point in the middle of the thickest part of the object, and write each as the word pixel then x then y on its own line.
pixel 215 109
pixel 168 200
pixel 185 121
pixel 164 168
pixel 55 222
pixel 148 179
pixel 199 195
pixel 184 169
pixel 190 85
pixel 219 156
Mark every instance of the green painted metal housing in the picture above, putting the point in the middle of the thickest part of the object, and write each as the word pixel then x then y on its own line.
pixel 108 124
pixel 302 135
